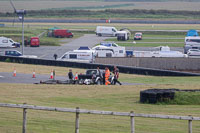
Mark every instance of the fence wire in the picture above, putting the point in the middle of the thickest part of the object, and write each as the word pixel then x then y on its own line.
pixel 152 125
pixel 10 120
pixel 90 123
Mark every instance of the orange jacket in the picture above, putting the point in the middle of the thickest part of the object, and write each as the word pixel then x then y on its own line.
pixel 107 73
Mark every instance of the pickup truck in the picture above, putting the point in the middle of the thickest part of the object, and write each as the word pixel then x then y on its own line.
pixel 92 76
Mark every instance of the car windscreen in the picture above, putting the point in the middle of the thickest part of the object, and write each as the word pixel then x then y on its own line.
pixel 90 72
pixel 193 40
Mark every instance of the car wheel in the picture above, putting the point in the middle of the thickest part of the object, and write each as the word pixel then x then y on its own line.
pixel 98 82
pixel 99 34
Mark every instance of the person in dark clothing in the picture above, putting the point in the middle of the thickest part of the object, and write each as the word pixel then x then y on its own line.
pixel 116 75
pixel 100 75
pixel 70 74
pixel 55 56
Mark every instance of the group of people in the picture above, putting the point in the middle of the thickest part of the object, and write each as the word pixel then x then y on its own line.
pixel 104 77
pixel 107 74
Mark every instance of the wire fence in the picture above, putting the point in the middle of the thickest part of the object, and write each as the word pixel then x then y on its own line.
pixel 50 120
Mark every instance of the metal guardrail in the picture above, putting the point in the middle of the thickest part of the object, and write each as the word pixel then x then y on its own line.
pixel 78 111
pixel 122 69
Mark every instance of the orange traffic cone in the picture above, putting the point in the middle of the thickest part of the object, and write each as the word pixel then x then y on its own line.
pixel 14 73
pixel 76 77
pixel 51 77
pixel 33 74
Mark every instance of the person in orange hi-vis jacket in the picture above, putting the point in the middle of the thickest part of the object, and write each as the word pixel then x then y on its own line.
pixel 107 75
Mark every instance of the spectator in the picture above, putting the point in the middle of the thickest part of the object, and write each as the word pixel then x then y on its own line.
pixel 116 75
pixel 107 75
pixel 70 74
pixel 55 56
pixel 100 74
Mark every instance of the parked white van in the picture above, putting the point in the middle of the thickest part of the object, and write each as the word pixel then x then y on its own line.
pixel 8 42
pixel 79 56
pixel 192 42
pixel 109 49
pixel 106 31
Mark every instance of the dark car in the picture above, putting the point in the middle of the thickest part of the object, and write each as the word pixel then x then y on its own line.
pixel 12 53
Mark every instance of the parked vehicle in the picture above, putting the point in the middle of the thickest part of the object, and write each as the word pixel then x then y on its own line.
pixel 122 35
pixel 87 56
pixel 193 52
pixel 8 42
pixel 129 53
pixel 191 43
pixel 92 76
pixel 106 31
pixel 138 36
pixel 60 33
pixel 34 42
pixel 18 54
pixel 109 49
pixel 192 33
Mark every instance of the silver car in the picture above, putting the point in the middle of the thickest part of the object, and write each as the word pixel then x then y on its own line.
pixel 193 52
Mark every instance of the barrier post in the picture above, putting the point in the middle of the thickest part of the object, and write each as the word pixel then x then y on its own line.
pixel 24 120
pixel 132 122
pixel 189 126
pixel 77 120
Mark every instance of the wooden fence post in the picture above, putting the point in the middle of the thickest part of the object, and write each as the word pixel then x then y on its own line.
pixel 77 120
pixel 189 126
pixel 132 122
pixel 24 120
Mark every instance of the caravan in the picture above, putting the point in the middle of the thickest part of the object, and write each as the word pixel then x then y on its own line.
pixel 123 35
pixel 8 42
pixel 106 31
pixel 109 49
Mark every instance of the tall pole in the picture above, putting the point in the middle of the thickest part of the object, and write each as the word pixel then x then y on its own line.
pixel 23 34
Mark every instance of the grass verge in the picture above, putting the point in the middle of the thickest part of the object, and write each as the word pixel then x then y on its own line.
pixel 185 98
pixel 110 98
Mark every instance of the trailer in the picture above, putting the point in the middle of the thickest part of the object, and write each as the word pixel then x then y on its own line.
pixel 109 49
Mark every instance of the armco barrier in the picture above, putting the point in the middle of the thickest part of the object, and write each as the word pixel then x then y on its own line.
pixel 123 69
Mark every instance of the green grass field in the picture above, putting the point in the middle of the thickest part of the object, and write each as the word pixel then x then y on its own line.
pixel 108 98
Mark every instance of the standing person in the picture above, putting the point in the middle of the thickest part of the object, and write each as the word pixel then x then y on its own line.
pixel 100 74
pixel 70 74
pixel 55 56
pixel 107 75
pixel 116 75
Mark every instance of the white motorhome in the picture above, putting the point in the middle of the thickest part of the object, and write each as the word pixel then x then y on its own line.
pixel 164 51
pixel 87 56
pixel 106 31
pixel 8 42
pixel 191 42
pixel 109 49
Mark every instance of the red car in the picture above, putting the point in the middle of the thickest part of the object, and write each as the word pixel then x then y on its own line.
pixel 138 36
pixel 34 42
pixel 62 33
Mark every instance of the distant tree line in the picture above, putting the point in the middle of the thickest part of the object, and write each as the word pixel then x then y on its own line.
pixel 70 13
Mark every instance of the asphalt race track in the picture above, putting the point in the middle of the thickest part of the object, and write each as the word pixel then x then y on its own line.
pixel 6 77
pixel 104 21
pixel 47 52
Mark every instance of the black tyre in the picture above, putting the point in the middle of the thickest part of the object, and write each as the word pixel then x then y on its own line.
pixel 98 82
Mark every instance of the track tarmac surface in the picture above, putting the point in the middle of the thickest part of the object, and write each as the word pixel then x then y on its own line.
pixel 7 77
